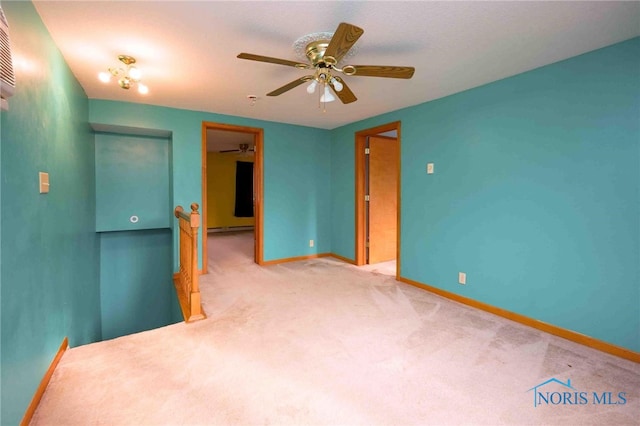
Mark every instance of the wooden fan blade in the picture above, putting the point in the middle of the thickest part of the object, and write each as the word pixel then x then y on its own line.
pixel 383 71
pixel 230 150
pixel 270 60
pixel 345 36
pixel 289 86
pixel 345 95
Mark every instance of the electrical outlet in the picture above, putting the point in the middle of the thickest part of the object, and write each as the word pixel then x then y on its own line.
pixel 311 243
pixel 462 278
pixel 429 168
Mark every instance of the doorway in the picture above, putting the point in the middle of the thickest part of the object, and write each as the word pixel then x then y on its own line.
pixel 231 140
pixel 378 195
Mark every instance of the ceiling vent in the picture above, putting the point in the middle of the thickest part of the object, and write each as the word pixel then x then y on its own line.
pixel 7 77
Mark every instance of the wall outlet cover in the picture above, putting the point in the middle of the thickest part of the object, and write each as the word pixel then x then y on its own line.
pixel 430 168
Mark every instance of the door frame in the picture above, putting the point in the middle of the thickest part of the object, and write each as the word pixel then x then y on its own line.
pixel 360 157
pixel 258 186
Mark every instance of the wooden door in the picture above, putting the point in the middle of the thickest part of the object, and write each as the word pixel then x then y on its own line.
pixel 383 198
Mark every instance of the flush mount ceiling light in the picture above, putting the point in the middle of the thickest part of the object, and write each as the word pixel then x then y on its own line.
pixel 127 77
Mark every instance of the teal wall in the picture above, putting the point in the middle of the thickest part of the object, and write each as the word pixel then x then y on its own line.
pixel 297 170
pixel 49 245
pixel 136 289
pixel 132 179
pixel 536 193
pixel 297 195
pixel 343 186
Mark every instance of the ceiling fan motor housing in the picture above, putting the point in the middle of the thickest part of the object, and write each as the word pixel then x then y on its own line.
pixel 315 51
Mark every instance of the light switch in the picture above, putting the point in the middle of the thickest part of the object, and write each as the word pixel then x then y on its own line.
pixel 429 168
pixel 44 182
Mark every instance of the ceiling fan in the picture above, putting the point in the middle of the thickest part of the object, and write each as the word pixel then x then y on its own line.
pixel 243 148
pixel 324 56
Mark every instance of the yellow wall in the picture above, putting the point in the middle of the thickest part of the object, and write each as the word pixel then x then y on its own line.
pixel 221 190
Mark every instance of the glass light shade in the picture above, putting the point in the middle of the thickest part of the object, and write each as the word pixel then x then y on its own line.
pixel 104 77
pixel 336 84
pixel 134 73
pixel 327 96
pixel 311 88
pixel 142 89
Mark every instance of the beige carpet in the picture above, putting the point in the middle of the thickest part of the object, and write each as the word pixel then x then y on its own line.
pixel 321 342
pixel 383 268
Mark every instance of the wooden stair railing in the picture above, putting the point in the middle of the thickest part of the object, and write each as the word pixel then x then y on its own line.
pixel 186 280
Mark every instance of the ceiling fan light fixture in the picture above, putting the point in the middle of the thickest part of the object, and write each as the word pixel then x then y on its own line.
pixel 327 96
pixel 322 53
pixel 311 88
pixel 336 84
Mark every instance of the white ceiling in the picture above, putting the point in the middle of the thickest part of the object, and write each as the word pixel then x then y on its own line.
pixel 223 140
pixel 187 49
